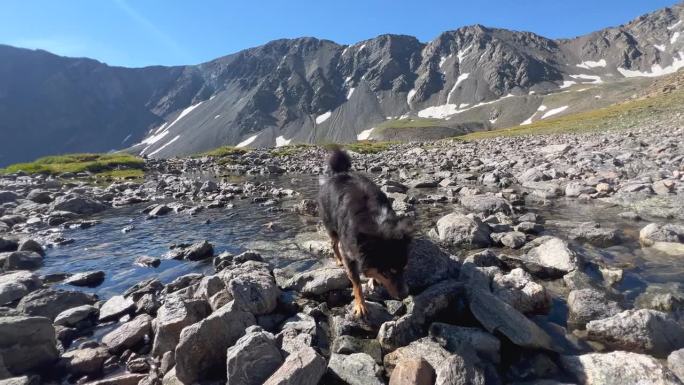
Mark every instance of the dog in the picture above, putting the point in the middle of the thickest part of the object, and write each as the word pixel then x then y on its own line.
pixel 367 235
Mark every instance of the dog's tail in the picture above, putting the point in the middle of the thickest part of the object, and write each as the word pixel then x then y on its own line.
pixel 339 161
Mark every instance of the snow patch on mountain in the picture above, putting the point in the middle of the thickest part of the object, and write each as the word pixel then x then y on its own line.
pixel 592 64
pixel 460 79
pixel 165 145
pixel 323 117
pixel 365 134
pixel 281 141
pixel 445 110
pixel 595 79
pixel 675 25
pixel 656 69
pixel 554 111
pixel 247 141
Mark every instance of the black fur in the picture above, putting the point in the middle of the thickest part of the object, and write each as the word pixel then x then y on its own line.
pixel 358 214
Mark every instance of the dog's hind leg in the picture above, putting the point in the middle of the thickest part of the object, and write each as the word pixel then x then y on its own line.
pixel 336 249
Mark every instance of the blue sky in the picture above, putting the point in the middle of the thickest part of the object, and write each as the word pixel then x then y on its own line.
pixel 146 32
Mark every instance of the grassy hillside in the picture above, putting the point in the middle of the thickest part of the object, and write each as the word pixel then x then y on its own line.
pixel 114 165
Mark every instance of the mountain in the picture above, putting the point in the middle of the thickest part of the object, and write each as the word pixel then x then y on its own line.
pixel 308 90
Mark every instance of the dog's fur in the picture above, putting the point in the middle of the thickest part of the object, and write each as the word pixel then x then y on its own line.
pixel 367 236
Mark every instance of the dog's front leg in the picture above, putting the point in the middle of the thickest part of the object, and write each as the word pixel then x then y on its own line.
pixel 360 309
pixel 336 250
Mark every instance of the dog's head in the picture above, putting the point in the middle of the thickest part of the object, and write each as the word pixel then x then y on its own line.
pixel 386 255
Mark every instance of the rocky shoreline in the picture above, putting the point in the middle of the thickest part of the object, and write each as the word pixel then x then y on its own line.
pixel 496 297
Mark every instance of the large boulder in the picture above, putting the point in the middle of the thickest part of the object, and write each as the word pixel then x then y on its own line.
pixel 16 284
pixel 201 350
pixel 27 343
pixel 129 334
pixel 49 302
pixel 618 368
pixel 643 331
pixel 87 361
pixel 319 281
pixel 654 232
pixel 487 204
pixel 252 286
pixel 498 316
pixel 253 358
pixel 455 370
pixel 115 307
pixel 413 371
pixel 20 260
pixel 675 361
pixel 304 367
pixel 428 264
pixel 175 314
pixel 76 316
pixel 356 369
pixel 589 304
pixel 424 348
pixel 462 339
pixel 518 289
pixel 77 204
pixel 458 230
pixel 553 257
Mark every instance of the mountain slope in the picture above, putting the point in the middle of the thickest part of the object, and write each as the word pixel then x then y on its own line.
pixel 310 90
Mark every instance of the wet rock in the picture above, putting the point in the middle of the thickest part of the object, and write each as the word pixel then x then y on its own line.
pixel 426 305
pixel 8 196
pixel 461 339
pixel 586 305
pixel 122 379
pixel 356 369
pixel 423 348
pixel 618 368
pixel 458 230
pixel 642 331
pixel 415 371
pixel 654 232
pixel 86 361
pixel 486 204
pixel 182 282
pixel 304 367
pixel 528 228
pixel 552 257
pixel 115 307
pixel 77 204
pixel 428 264
pixel 27 343
pixel 511 239
pixel 39 196
pixel 307 207
pixel 8 244
pixel 348 344
pixel 195 252
pixel 497 316
pixel 319 281
pixel 519 290
pixel 675 361
pixel 575 189
pixel 31 245
pixel 147 261
pixel 88 279
pixel 49 302
pixel 175 314
pixel 201 350
pixel 594 234
pixel 253 358
pixel 76 316
pixel 129 334
pixel 456 371
pixel 20 260
pixel 668 298
pixel 160 210
pixel 16 284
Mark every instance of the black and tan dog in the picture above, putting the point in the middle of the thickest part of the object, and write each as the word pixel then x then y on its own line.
pixel 367 236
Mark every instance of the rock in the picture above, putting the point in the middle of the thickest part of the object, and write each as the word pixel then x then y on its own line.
pixel 356 369
pixel 31 245
pixel 642 331
pixel 27 343
pixel 513 239
pixel 423 348
pixel 8 244
pixel 49 302
pixel 20 260
pixel 175 314
pixel 8 196
pixel 486 204
pixel 307 207
pixel 498 316
pixel 77 205
pixel 456 371
pixel 201 350
pixel 553 255
pixel 253 287
pixel 666 298
pixel 653 233
pixel 16 284
pixel 253 358
pixel 675 361
pixel 346 344
pixel 297 332
pixel 461 339
pixel 147 261
pixel 76 315
pixel 21 380
pixel 195 252
pixel 554 149
pixel 413 371
pixel 116 307
pixel 123 379
pixel 519 290
pixel 424 307
pixel 618 368
pixel 589 304
pixel 86 361
pixel 88 279
pixel 594 234
pixel 160 210
pixel 458 230
pixel 428 264
pixel 129 334
pixel 319 281
pixel 39 196
pixel 575 189
pixel 304 367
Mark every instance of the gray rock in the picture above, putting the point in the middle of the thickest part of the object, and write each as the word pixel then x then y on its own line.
pixel 512 239
pixel 413 371
pixel 8 244
pixel 74 316
pixel 319 281
pixel 16 284
pixel 654 232
pixel 356 369
pixel 27 343
pixel 618 368
pixel 122 379
pixel 594 234
pixel 458 230
pixel 675 361
pixel 116 307
pixel 77 204
pixel 201 350
pixel 160 210
pixel 586 305
pixel 575 189
pixel 49 302
pixel 297 332
pixel 498 316
pixel 304 367
pixel 21 380
pixel 348 344
pixel 552 255
pixel 39 196
pixel 253 287
pixel 456 371
pixel 487 204
pixel 462 339
pixel 195 252
pixel 86 361
pixel 428 264
pixel 129 334
pixel 424 348
pixel 88 279
pixel 175 314
pixel 20 260
pixel 253 358
pixel 31 245
pixel 518 289
pixel 641 331
pixel 8 196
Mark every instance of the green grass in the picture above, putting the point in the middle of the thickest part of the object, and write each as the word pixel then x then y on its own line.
pixel 222 152
pixel 368 147
pixel 288 150
pixel 617 116
pixel 410 123
pixel 77 163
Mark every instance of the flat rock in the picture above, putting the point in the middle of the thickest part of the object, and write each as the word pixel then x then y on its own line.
pixel 86 361
pixel 129 334
pixel 413 371
pixel 458 230
pixel 77 204
pixel 460 339
pixel 175 314
pixel 618 368
pixel 589 304
pixel 304 367
pixel 115 307
pixel 88 279
pixel 253 358
pixel 49 302
pixel 319 281
pixel 74 316
pixel 675 361
pixel 486 204
pixel 27 343
pixel 356 369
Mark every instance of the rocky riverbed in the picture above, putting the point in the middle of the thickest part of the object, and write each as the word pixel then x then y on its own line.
pixel 537 260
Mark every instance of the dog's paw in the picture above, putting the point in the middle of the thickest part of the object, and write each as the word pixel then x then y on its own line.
pixel 360 310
